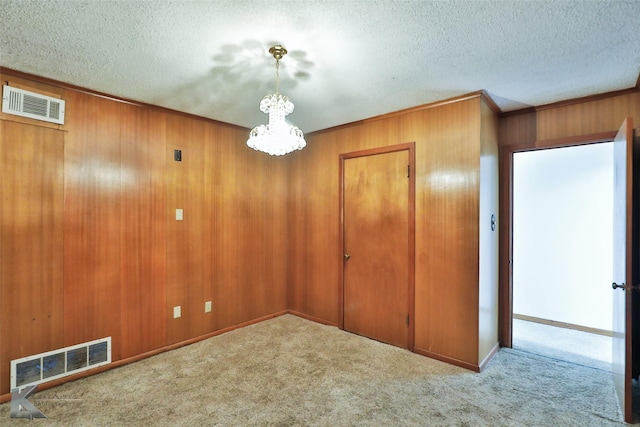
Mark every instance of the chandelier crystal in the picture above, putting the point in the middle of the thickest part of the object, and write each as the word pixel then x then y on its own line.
pixel 278 137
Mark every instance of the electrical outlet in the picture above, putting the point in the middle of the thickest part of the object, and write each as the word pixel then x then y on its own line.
pixel 207 307
pixel 177 312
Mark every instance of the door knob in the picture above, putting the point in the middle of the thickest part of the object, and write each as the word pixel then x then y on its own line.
pixel 614 285
pixel 346 257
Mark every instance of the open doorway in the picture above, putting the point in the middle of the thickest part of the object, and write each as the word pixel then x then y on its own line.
pixel 562 246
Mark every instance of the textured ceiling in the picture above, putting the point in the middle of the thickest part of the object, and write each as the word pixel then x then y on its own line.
pixel 347 60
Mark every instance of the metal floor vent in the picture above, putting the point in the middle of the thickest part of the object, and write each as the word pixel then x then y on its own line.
pixel 33 105
pixel 43 367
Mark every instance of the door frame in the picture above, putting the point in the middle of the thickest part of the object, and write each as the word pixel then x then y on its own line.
pixel 505 327
pixel 410 148
pixel 623 305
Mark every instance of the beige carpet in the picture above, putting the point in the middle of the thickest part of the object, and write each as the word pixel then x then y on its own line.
pixel 292 372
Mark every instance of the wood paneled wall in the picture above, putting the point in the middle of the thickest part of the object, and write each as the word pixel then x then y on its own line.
pixel 92 220
pixel 90 246
pixel 447 209
pixel 314 250
pixel 568 120
pixel 447 172
pixel 143 231
pixel 186 190
pixel 31 208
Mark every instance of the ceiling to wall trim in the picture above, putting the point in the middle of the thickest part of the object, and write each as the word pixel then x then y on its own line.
pixel 211 59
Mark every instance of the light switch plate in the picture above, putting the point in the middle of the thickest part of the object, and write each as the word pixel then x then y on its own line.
pixel 177 312
pixel 207 307
pixel 179 215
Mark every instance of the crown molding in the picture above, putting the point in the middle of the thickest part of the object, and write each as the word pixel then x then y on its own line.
pixel 71 87
pixel 573 101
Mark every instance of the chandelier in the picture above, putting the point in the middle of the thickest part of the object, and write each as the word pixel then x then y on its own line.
pixel 277 137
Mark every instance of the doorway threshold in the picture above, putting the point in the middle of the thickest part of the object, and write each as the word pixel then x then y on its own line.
pixel 581 348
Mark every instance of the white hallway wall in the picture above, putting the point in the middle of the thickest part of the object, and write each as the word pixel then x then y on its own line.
pixel 562 249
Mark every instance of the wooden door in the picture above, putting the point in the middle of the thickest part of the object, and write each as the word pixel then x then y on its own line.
pixel 622 266
pixel 378 253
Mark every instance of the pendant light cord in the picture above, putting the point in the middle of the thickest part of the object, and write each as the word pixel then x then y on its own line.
pixel 277 76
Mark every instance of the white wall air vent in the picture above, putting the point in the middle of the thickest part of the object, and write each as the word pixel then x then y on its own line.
pixel 33 105
pixel 43 367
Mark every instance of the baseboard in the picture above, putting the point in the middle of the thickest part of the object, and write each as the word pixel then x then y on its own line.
pixel 446 359
pixel 563 325
pixel 422 352
pixel 487 359
pixel 115 364
pixel 312 318
pixel 476 368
